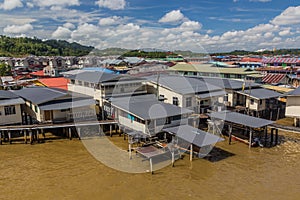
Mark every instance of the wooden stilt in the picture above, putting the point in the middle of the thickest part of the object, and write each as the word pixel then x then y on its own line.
pixel 25 136
pixel 79 133
pixel 110 130
pixel 173 158
pixel 266 136
pixel 272 135
pixel 30 137
pixel 43 134
pixel 250 138
pixel 70 133
pixel 9 137
pixel 276 136
pixel 0 137
pixel 37 135
pixel 230 133
pixel 129 151
pixel 151 167
pixel 191 152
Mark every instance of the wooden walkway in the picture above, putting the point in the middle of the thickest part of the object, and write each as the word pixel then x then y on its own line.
pixel 285 128
pixel 34 130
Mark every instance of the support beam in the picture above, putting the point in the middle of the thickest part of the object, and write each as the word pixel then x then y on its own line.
pixel 9 137
pixel 276 136
pixel 266 135
pixel 1 137
pixel 110 130
pixel 129 151
pixel 230 133
pixel 151 166
pixel 173 158
pixel 25 136
pixel 272 137
pixel 79 133
pixel 37 135
pixel 191 152
pixel 70 133
pixel 30 137
pixel 250 138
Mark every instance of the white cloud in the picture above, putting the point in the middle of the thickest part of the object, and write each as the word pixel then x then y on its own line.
pixel 175 16
pixel 285 32
pixel 69 25
pixel 18 29
pixel 190 25
pixel 11 4
pixel 108 21
pixel 49 3
pixel 112 4
pixel 62 33
pixel 289 16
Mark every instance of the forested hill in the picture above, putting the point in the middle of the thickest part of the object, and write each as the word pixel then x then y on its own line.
pixel 18 47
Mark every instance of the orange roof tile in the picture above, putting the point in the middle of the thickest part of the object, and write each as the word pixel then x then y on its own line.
pixel 58 82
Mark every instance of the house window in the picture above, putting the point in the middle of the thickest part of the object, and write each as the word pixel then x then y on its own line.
pixel 225 98
pixel 36 109
pixel 188 102
pixel 79 82
pixel 86 84
pixel 175 101
pixel 260 102
pixel 9 110
pixel 251 101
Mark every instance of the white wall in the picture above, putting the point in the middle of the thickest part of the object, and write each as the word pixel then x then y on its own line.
pixel 11 119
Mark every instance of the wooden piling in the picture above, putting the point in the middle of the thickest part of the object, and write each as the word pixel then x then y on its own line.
pixel 276 136
pixel 173 158
pixel 79 133
pixel 0 137
pixel 266 135
pixel 9 137
pixel 151 167
pixel 70 133
pixel 250 138
pixel 129 151
pixel 191 152
pixel 230 133
pixel 272 136
pixel 110 130
pixel 30 137
pixel 37 135
pixel 25 136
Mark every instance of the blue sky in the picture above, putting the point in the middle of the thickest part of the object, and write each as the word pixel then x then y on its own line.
pixel 197 25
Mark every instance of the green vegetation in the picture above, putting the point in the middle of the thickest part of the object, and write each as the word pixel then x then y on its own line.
pixel 18 47
pixel 295 52
pixel 4 70
pixel 151 54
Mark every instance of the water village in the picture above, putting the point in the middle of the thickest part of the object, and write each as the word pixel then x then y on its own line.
pixel 172 106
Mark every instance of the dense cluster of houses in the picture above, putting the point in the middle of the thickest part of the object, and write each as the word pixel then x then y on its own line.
pixel 153 94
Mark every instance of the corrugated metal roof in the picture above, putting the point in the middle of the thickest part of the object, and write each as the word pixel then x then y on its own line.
pixel 183 85
pixel 261 93
pixel 15 101
pixel 209 68
pixel 57 82
pixel 6 94
pixel 295 92
pixel 242 119
pixel 147 107
pixel 38 95
pixel 194 136
pixel 68 104
pixel 212 94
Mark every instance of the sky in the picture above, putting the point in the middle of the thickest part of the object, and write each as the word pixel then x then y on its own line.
pixel 196 25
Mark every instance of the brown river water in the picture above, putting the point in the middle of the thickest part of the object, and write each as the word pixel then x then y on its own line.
pixel 63 169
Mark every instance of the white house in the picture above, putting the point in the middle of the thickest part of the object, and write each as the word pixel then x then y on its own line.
pixel 144 113
pixel 10 108
pixel 187 92
pixel 54 105
pixel 293 106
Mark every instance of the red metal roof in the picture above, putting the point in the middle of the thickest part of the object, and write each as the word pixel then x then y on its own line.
pixel 58 82
pixel 273 78
pixel 281 60
pixel 38 73
pixel 251 60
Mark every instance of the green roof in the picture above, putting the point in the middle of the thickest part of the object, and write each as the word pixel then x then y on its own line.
pixel 210 68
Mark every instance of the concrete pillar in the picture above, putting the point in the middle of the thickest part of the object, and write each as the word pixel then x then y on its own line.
pixel 191 152
pixel 79 133
pixel 70 133
pixel 37 135
pixel 110 130
pixel 151 167
pixel 30 137
pixel 250 138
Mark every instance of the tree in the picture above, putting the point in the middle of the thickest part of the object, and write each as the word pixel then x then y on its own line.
pixel 4 70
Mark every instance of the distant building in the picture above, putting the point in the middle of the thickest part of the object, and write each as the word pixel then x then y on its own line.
pixel 293 106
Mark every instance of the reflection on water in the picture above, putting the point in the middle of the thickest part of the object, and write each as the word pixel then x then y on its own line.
pixel 64 169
